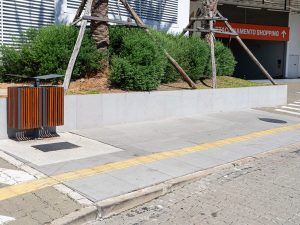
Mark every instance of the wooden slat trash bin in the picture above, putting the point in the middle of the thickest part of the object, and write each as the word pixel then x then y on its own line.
pixel 35 107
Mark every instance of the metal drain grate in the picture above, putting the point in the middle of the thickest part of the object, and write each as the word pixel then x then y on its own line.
pixel 55 147
pixel 270 120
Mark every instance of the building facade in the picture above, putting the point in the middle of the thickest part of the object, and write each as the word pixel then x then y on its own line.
pixel 170 15
pixel 16 16
pixel 271 29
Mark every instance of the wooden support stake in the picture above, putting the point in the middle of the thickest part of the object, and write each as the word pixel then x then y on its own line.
pixel 76 21
pixel 77 46
pixel 140 22
pixel 240 41
pixel 79 10
pixel 93 18
pixel 205 18
pixel 212 51
pixel 198 29
pixel 136 17
pixel 185 77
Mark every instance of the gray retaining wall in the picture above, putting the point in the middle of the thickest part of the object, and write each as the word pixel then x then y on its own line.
pixel 87 111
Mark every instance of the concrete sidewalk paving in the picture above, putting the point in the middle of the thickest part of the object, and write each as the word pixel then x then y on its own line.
pixel 292 108
pixel 105 162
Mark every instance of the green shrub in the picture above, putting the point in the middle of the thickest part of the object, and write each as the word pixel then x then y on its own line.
pixel 136 62
pixel 225 61
pixel 190 52
pixel 48 50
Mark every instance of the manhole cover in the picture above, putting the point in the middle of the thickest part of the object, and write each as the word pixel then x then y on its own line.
pixel 270 120
pixel 55 146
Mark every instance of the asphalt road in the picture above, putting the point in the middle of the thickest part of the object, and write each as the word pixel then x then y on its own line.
pixel 262 190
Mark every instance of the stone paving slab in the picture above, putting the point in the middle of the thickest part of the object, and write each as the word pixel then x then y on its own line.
pixel 176 133
pixel 100 186
pixel 173 167
pixel 167 135
pixel 26 151
pixel 114 143
pixel 163 170
pixel 37 208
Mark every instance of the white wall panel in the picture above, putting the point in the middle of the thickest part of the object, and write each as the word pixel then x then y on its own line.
pixel 17 16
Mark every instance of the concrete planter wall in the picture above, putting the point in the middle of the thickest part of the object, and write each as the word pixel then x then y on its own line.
pixel 87 111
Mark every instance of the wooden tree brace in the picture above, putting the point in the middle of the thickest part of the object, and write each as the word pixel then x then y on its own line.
pixel 211 40
pixel 205 18
pixel 79 10
pixel 213 31
pixel 76 21
pixel 77 46
pixel 111 21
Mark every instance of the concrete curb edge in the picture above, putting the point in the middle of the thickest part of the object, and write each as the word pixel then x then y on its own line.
pixel 78 217
pixel 115 205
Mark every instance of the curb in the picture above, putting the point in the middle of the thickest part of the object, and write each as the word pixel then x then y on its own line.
pixel 115 205
pixel 77 218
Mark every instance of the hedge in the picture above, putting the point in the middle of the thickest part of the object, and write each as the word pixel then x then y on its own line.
pixel 225 61
pixel 48 50
pixel 137 60
pixel 191 53
pixel 137 63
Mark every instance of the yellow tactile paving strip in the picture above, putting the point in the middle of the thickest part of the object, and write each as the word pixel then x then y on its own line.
pixel 19 189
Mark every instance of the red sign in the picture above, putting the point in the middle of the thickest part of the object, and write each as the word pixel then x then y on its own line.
pixel 256 32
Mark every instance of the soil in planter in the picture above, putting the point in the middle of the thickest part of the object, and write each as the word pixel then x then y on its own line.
pixel 100 84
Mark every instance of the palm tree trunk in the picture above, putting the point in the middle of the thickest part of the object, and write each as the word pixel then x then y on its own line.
pixel 100 32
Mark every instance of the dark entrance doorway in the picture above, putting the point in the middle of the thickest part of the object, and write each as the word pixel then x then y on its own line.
pixel 270 53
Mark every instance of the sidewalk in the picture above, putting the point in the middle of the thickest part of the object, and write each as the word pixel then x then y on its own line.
pixel 106 162
pixel 293 106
